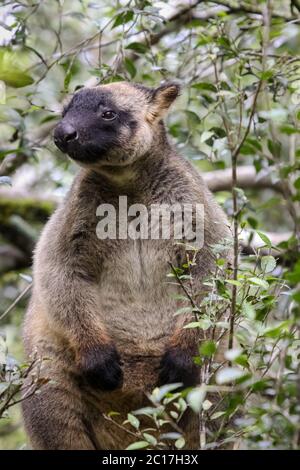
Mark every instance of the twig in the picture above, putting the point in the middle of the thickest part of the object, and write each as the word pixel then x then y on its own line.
pixel 12 306
pixel 194 305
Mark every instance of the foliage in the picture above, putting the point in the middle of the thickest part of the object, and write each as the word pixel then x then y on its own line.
pixel 165 407
pixel 239 68
pixel 17 383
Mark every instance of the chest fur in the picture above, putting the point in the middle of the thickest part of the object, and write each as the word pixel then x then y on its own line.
pixel 136 298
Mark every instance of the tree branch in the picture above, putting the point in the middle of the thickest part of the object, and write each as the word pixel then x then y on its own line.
pixel 243 7
pixel 247 178
pixel 20 233
pixel 29 207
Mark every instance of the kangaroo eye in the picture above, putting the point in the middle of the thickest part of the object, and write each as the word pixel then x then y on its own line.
pixel 109 115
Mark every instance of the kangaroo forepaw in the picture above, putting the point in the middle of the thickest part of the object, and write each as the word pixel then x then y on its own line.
pixel 100 366
pixel 177 365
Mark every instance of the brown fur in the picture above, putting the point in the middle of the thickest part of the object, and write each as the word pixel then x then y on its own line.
pixel 91 295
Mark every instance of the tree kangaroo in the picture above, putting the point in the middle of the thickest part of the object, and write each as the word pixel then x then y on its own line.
pixel 102 308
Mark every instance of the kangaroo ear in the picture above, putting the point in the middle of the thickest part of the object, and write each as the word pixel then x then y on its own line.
pixel 161 100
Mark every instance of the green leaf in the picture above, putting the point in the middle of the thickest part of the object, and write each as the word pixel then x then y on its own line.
pixel 207 348
pixel 217 415
pixel 218 131
pixel 242 360
pixel 248 310
pixel 264 238
pixel 181 405
pixel 206 405
pixel 274 148
pixel 133 421
pixel 233 282
pixel 12 68
pixel 174 414
pixel 247 149
pixel 123 18
pixel 268 263
pixel 224 41
pixel 159 392
pixel 289 130
pixel 170 435
pixel 113 413
pixel 193 117
pixel 196 398
pixel 278 330
pixel 296 296
pixel 149 438
pixel 204 324
pixel 138 445
pixel 254 143
pixel 193 324
pixel 206 86
pixel 137 47
pixel 147 410
pixel 180 443
pixel 228 374
pixel 130 67
pixel 183 310
pixel 67 79
pixel 206 135
pixel 257 281
pixel 297 183
pixel 266 75
pixel 232 354
pixel 50 117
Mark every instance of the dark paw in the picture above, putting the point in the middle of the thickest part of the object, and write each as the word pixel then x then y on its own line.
pixel 101 367
pixel 177 366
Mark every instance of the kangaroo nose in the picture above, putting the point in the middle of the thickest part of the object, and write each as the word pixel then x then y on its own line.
pixel 64 133
pixel 70 135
